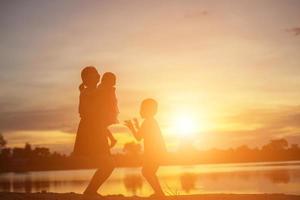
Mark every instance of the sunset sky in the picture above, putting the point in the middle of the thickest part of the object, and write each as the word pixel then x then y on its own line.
pixel 230 69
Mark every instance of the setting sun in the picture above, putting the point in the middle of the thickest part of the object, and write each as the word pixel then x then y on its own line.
pixel 185 124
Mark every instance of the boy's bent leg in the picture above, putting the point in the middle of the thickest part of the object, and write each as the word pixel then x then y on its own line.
pixel 149 172
pixel 100 177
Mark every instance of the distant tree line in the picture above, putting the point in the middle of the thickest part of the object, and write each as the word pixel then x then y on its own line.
pixel 275 150
pixel 28 158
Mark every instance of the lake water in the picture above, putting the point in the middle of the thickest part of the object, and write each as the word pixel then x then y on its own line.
pixel 267 177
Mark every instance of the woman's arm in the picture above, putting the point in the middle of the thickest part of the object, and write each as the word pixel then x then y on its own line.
pixel 81 107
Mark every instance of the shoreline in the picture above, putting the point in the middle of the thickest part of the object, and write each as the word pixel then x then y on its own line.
pixel 75 196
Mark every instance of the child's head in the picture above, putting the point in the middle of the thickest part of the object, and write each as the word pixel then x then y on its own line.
pixel 108 79
pixel 148 108
pixel 90 76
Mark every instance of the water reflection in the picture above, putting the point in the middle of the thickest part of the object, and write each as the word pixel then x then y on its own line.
pixel 133 182
pixel 186 180
pixel 29 185
pixel 274 176
pixel 278 176
pixel 5 186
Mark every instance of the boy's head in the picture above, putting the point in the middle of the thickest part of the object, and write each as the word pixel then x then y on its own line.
pixel 148 108
pixel 108 79
pixel 90 76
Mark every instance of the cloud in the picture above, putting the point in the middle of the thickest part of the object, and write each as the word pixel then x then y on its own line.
pixel 196 14
pixel 16 115
pixel 286 116
pixel 295 31
pixel 63 119
pixel 257 126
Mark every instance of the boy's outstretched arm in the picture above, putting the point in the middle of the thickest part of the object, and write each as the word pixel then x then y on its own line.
pixel 136 123
pixel 136 133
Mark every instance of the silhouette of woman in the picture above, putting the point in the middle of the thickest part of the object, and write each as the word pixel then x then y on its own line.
pixel 91 140
pixel 84 143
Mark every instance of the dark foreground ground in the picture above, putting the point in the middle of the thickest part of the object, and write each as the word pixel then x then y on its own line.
pixel 74 196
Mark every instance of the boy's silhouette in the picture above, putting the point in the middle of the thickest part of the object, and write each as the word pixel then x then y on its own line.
pixel 154 146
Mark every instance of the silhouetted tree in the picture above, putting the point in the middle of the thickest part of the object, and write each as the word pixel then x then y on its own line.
pixel 27 150
pixel 2 141
pixel 276 145
pixel 243 148
pixel 42 151
pixel 40 158
pixel 132 148
pixel 18 153
pixel 6 152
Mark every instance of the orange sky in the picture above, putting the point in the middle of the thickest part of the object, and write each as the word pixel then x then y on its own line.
pixel 233 66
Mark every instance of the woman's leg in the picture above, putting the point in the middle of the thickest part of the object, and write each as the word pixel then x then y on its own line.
pixel 100 177
pixel 149 172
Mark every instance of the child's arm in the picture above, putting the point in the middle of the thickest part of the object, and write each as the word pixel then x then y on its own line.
pixel 136 123
pixel 135 131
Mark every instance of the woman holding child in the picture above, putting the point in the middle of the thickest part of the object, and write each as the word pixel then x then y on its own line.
pixel 98 109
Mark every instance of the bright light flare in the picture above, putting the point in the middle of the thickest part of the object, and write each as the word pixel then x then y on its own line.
pixel 185 124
